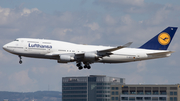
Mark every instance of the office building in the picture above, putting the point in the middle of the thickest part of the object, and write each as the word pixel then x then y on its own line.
pixel 89 88
pixel 141 92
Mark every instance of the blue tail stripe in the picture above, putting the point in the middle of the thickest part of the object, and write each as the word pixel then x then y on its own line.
pixel 162 40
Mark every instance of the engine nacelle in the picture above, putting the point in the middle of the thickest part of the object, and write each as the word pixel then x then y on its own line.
pixel 65 59
pixel 90 56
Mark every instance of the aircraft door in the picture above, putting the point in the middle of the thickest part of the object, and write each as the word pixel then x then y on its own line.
pixel 25 45
pixel 137 56
pixel 48 50
pixel 141 56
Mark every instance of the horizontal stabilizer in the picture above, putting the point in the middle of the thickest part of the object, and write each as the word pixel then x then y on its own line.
pixel 161 53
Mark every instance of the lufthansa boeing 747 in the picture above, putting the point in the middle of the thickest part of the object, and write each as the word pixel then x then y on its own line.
pixel 84 55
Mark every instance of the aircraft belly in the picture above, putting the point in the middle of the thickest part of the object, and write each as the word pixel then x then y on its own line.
pixel 32 55
pixel 117 59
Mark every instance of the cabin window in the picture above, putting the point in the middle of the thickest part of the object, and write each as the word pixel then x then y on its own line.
pixel 33 42
pixel 61 50
pixel 46 42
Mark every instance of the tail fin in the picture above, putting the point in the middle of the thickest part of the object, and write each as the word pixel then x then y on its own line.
pixel 162 40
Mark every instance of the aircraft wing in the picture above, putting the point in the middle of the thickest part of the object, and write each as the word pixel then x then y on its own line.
pixel 96 54
pixel 52 54
pixel 114 49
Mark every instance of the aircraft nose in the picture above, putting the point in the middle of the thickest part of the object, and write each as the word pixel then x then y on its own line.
pixel 9 47
pixel 5 47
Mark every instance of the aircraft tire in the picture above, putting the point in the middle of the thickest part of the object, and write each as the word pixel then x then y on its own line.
pixel 85 66
pixel 88 67
pixel 80 67
pixel 20 62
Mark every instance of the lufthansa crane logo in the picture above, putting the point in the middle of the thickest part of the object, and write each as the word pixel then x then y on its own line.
pixel 164 38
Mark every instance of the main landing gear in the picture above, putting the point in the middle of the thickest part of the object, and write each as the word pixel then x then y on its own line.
pixel 20 61
pixel 79 65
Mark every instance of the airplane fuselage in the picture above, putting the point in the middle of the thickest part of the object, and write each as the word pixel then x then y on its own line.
pixel 47 49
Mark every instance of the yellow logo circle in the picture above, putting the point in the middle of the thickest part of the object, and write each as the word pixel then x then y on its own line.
pixel 164 38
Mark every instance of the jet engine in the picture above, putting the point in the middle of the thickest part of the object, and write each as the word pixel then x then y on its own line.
pixel 90 56
pixel 65 59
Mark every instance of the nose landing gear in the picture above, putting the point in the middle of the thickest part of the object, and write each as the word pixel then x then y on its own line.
pixel 20 61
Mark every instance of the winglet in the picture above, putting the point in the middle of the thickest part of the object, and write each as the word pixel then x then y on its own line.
pixel 128 44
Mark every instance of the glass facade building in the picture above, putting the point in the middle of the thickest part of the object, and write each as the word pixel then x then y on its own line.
pixel 89 88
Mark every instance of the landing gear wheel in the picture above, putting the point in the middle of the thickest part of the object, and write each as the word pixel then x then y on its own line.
pixel 78 64
pixel 20 62
pixel 88 67
pixel 85 66
pixel 80 67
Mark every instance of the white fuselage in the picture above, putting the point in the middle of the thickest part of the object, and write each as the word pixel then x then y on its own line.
pixel 51 49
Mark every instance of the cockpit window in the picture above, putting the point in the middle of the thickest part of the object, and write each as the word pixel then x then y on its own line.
pixel 16 40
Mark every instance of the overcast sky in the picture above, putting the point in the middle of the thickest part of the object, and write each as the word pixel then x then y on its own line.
pixel 97 22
